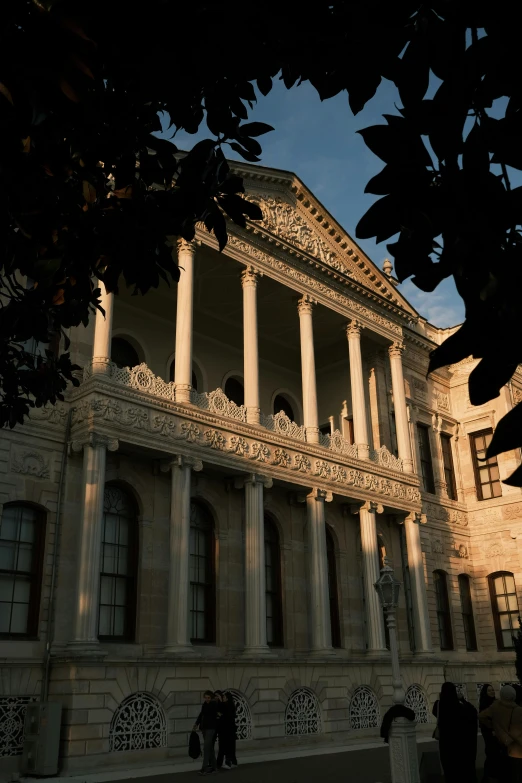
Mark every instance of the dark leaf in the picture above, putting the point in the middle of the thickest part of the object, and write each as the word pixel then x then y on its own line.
pixel 508 433
pixel 264 84
pixel 254 128
pixel 456 347
pixel 244 153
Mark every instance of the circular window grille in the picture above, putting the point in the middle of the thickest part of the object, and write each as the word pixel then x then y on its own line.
pixel 364 709
pixel 243 716
pixel 416 701
pixel 138 724
pixel 303 714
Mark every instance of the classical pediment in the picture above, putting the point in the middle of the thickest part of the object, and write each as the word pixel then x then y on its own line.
pixel 292 216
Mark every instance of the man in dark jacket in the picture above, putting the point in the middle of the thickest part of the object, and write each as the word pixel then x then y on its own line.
pixel 207 723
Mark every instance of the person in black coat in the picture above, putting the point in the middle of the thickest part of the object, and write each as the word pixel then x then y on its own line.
pixel 457 722
pixel 227 733
pixel 493 764
pixel 207 722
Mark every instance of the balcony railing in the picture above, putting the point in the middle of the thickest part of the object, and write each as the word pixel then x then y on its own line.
pixel 142 379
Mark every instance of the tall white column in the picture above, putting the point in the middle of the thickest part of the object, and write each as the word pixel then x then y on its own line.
pixel 371 573
pixel 101 352
pixel 421 618
pixel 250 344
pixel 311 418
pixel 321 636
pixel 399 401
pixel 255 578
pixel 178 632
pixel 437 457
pixel 360 426
pixel 85 629
pixel 184 312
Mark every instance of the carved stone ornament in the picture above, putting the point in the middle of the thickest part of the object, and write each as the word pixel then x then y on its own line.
pixel 310 282
pixel 494 550
pixel 517 395
pixel 30 463
pixel 437 547
pixel 460 550
pixel 370 505
pixel 181 461
pixel 170 429
pixel 94 439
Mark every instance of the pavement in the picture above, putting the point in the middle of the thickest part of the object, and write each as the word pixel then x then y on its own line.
pixel 362 763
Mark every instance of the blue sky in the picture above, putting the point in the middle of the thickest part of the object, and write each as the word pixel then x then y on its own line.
pixel 319 143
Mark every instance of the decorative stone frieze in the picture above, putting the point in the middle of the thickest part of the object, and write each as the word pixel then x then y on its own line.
pixel 143 424
pixel 30 463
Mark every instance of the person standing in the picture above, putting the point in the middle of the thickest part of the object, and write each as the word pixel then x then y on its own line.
pixel 206 722
pixel 227 733
pixel 504 717
pixel 457 722
pixel 493 749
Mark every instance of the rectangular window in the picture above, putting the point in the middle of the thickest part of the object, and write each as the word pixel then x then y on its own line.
pixel 426 464
pixel 467 612
pixel 443 610
pixel 394 443
pixel 487 479
pixel 348 429
pixel 505 608
pixel 449 471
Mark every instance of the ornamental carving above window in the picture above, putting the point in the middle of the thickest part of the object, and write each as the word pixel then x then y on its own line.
pixel 303 714
pixel 139 723
pixel 243 716
pixel 364 709
pixel 416 701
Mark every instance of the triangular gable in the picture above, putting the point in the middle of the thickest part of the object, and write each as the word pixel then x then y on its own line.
pixel 292 214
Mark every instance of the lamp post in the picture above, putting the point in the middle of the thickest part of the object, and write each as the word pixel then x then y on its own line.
pixel 403 745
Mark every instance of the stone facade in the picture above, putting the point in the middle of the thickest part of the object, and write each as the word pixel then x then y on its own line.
pixel 292 310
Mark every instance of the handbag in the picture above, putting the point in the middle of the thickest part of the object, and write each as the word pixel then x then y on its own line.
pixel 436 732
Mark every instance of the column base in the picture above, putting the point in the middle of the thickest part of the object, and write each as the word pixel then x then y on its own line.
pixel 100 365
pixel 322 652
pixel 378 653
pixel 363 451
pixel 255 652
pixel 312 434
pixel 407 465
pixel 403 752
pixel 85 649
pixel 172 650
pixel 253 415
pixel 183 392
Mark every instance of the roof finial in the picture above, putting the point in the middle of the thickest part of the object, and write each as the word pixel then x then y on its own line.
pixel 387 267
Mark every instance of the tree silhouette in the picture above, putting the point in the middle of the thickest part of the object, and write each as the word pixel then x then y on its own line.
pixel 87 191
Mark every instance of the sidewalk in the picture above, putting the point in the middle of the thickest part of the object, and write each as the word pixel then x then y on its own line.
pixel 364 761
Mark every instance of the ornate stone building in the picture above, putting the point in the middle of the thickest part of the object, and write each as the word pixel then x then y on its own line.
pixel 211 507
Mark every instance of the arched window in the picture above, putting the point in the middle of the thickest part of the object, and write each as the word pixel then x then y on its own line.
pixel 416 701
pixel 467 612
pixel 139 723
pixel 333 589
pixel 243 716
pixel 202 600
pixel 504 604
pixel 22 537
pixel 440 579
pixel 364 709
pixel 235 391
pixel 117 617
pixel 172 370
pixel 282 404
pixel 274 624
pixel 303 714
pixel 123 354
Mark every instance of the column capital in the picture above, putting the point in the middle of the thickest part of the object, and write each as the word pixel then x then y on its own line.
pixel 417 517
pixel 184 246
pixel 305 304
pixel 181 461
pixel 252 478
pixel 370 505
pixel 396 349
pixel 250 276
pixel 94 439
pixel 354 328
pixel 323 495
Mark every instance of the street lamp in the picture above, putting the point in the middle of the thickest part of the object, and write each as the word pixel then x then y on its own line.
pixel 388 589
pixel 403 745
